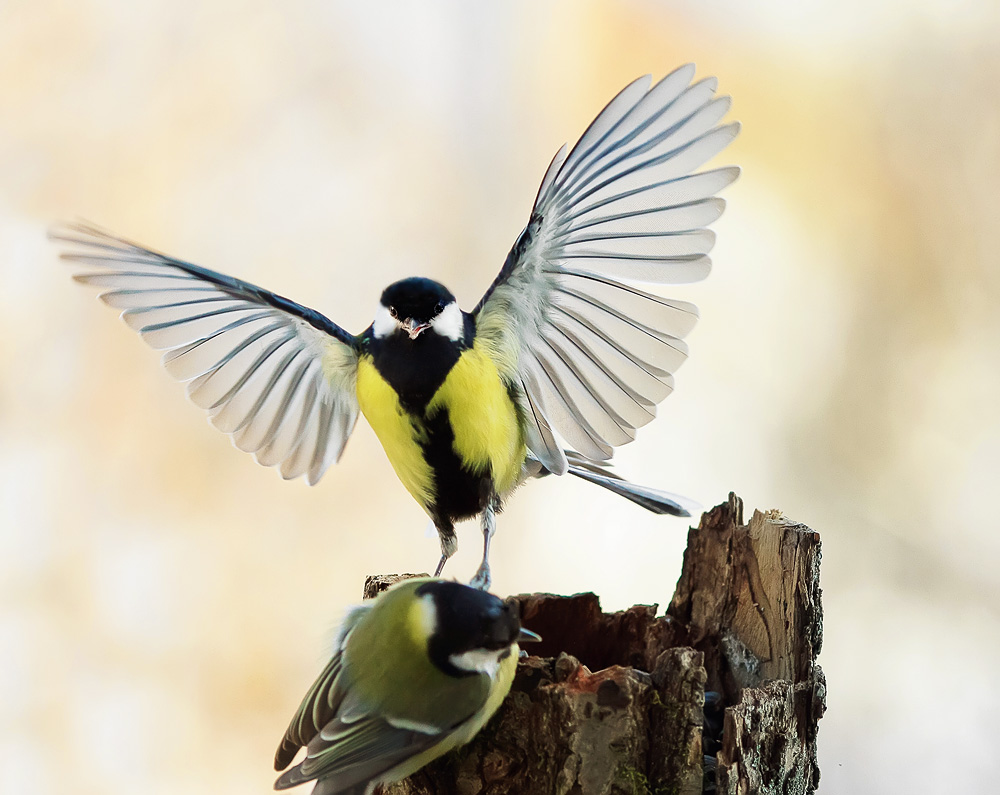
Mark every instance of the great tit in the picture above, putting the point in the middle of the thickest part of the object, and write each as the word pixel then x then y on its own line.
pixel 415 672
pixel 562 348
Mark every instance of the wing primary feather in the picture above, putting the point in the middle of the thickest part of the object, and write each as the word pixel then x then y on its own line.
pixel 265 393
pixel 140 310
pixel 673 218
pixel 137 299
pixel 547 449
pixel 673 85
pixel 581 433
pixel 675 270
pixel 641 404
pixel 638 246
pixel 660 193
pixel 171 358
pixel 95 278
pixel 242 380
pixel 98 259
pixel 268 453
pixel 232 416
pixel 602 126
pixel 301 458
pixel 290 466
pixel 682 314
pixel 625 428
pixel 698 150
pixel 191 319
pixel 701 114
pixel 318 465
pixel 652 370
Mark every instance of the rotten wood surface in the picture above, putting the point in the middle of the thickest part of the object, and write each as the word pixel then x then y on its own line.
pixel 615 702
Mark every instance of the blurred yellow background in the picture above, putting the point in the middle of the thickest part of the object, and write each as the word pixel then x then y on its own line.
pixel 165 602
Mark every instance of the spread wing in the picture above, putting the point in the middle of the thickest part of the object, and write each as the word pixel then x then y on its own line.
pixel 276 376
pixel 591 353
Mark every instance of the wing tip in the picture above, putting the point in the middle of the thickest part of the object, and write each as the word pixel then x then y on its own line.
pixel 688 68
pixel 289 779
pixel 711 81
pixel 284 755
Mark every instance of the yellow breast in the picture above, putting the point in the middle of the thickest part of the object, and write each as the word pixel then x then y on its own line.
pixel 483 417
pixel 400 435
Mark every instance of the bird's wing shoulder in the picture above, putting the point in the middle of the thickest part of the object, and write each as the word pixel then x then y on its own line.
pixel 590 353
pixel 276 376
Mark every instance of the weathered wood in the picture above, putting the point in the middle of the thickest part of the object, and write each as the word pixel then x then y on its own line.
pixel 750 600
pixel 769 739
pixel 749 596
pixel 614 703
pixel 377 583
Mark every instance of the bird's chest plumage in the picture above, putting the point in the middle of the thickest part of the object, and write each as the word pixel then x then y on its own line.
pixel 446 420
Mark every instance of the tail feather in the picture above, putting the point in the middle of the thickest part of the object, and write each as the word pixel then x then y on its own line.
pixel 655 500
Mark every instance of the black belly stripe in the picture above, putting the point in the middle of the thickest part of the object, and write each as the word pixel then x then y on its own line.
pixel 458 493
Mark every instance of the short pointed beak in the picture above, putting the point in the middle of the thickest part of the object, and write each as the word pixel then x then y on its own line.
pixel 527 636
pixel 414 328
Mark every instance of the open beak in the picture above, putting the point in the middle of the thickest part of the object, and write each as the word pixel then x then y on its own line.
pixel 413 328
pixel 527 636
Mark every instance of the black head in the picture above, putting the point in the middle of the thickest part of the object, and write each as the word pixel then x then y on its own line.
pixel 412 306
pixel 468 620
pixel 418 298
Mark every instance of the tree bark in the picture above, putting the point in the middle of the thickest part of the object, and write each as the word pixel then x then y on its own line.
pixel 615 702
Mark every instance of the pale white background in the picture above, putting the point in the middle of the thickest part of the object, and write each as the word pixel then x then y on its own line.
pixel 164 601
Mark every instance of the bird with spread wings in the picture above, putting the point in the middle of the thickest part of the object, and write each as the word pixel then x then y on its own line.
pixel 582 353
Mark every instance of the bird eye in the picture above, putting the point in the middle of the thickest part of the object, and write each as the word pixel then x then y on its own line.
pixel 439 307
pixel 392 311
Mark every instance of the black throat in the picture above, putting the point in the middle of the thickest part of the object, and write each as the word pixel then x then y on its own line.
pixel 415 369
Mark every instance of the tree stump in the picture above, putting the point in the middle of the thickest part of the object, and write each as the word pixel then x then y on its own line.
pixel 616 702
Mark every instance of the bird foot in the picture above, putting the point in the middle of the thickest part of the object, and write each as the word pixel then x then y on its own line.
pixel 482 580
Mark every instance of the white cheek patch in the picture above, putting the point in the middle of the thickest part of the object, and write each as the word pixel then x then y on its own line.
pixel 449 322
pixel 427 615
pixel 486 661
pixel 384 323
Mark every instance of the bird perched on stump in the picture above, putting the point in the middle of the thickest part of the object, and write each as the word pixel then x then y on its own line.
pixel 415 672
pixel 562 350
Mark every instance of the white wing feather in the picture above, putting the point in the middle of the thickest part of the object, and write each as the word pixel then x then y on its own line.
pixel 277 377
pixel 591 353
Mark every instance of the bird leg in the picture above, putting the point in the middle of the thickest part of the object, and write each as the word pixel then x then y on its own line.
pixel 449 545
pixel 482 580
